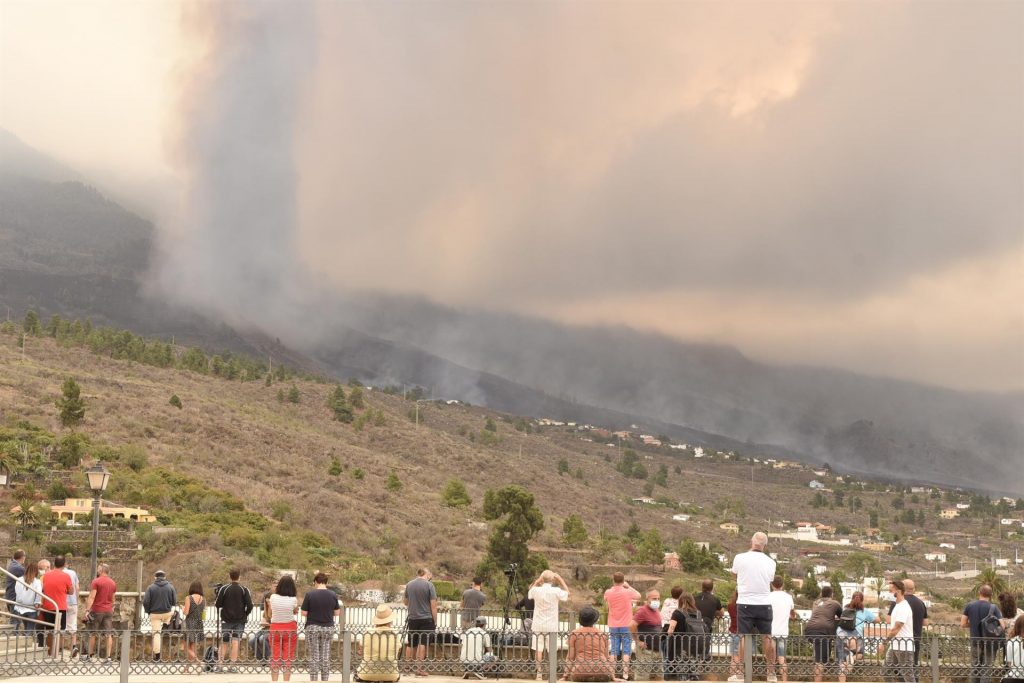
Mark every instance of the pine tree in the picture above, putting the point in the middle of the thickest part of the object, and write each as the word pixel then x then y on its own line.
pixel 356 398
pixel 574 533
pixel 339 405
pixel 280 395
pixel 70 404
pixel 455 494
pixel 563 466
pixel 811 590
pixel 31 324
pixel 490 426
pixel 293 395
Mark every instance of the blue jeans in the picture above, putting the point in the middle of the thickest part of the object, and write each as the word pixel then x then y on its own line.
pixel 621 640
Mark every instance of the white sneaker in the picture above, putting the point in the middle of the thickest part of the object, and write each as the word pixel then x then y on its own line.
pixel 735 679
pixel 772 678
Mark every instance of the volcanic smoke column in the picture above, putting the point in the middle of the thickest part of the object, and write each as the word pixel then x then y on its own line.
pixel 232 247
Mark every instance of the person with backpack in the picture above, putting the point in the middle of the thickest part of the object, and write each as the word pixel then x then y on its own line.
pixel 193 608
pixel 850 633
pixel 687 634
pixel 981 617
pixel 235 604
pixel 821 629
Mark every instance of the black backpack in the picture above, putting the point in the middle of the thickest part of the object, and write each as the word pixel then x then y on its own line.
pixel 695 642
pixel 848 619
pixel 209 658
pixel 990 626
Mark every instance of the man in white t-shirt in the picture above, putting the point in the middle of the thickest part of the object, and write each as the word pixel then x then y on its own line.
pixel 546 597
pixel 782 612
pixel 755 572
pixel 72 619
pixel 898 646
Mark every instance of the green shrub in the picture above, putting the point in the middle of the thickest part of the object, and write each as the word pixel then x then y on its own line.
pixel 175 401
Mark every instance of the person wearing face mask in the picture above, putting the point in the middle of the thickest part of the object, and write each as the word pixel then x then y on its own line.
pixel 646 628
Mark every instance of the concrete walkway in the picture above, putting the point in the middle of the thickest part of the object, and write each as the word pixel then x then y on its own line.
pixel 207 678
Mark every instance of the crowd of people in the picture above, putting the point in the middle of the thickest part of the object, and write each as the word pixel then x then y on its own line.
pixel 674 636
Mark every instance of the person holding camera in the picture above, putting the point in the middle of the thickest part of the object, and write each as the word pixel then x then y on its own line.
pixel 99 613
pixel 546 597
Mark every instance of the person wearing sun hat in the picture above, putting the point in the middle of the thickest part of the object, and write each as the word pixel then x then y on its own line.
pixel 379 649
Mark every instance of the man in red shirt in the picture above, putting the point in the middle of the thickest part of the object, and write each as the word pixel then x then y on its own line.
pixel 647 627
pixel 100 606
pixel 620 598
pixel 57 585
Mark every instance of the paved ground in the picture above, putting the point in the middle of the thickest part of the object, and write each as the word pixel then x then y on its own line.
pixel 205 678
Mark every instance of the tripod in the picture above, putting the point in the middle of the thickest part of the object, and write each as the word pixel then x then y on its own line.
pixel 511 591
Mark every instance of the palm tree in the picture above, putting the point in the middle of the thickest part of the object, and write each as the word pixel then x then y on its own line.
pixel 10 458
pixel 989 576
pixel 27 513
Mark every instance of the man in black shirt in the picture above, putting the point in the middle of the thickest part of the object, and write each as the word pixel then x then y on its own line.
pixel 708 604
pixel 235 604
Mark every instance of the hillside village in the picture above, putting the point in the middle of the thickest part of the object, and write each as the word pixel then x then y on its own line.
pixel 370 491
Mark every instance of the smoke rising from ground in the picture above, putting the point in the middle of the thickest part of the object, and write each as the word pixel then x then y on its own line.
pixel 232 248
pixel 673 166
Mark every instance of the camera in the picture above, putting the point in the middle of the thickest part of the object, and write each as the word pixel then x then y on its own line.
pixel 511 569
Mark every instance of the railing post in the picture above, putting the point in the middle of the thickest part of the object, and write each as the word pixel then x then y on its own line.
pixel 126 648
pixel 748 657
pixel 346 656
pixel 553 657
pixel 935 659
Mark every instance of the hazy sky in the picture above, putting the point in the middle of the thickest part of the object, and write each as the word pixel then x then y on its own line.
pixel 838 184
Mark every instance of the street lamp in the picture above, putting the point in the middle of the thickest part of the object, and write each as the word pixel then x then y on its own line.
pixel 98 477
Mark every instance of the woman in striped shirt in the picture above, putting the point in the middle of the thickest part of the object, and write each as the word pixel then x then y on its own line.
pixel 284 605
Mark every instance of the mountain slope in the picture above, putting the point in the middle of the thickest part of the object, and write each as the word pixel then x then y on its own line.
pixel 65 248
pixel 855 422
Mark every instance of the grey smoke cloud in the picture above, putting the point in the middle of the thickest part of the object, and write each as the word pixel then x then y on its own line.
pixel 233 246
pixel 597 161
pixel 588 149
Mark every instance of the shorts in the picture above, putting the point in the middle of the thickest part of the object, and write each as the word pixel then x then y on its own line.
pixel 539 641
pixel 822 643
pixel 101 621
pixel 754 619
pixel 72 619
pixel 780 646
pixel 843 644
pixel 420 631
pixel 232 630
pixel 621 640
pixel 60 619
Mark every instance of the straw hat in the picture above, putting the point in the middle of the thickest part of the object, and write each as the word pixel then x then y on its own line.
pixel 382 616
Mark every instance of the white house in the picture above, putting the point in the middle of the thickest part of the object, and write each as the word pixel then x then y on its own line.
pixel 681 517
pixel 645 501
pixel 1007 522
pixel 935 557
pixel 1002 562
pixel 698 452
pixel 963 506
pixel 820 569
pixel 948 546
pixel 849 588
pixel 815 484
